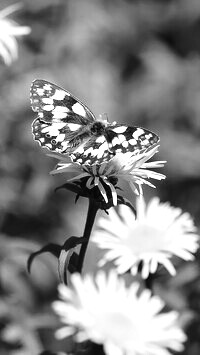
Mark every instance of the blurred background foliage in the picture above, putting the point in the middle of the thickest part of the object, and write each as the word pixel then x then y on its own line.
pixel 139 61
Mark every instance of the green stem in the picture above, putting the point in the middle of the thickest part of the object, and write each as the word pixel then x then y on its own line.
pixel 91 214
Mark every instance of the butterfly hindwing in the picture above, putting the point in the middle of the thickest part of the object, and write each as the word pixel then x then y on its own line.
pixel 117 139
pixel 94 151
pixel 131 139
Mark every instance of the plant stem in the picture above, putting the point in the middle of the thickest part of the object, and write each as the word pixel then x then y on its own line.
pixel 91 214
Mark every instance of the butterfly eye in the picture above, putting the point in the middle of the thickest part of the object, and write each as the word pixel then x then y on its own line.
pixel 47 135
pixel 53 141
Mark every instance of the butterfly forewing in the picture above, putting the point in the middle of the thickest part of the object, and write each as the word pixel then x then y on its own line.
pixel 55 104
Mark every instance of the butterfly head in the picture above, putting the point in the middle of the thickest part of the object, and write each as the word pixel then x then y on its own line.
pixel 98 128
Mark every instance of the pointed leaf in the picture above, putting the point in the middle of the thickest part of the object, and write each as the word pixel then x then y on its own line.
pixel 52 248
pixel 68 257
pixel 63 263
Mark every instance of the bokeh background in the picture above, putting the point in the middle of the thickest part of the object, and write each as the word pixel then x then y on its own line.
pixel 138 61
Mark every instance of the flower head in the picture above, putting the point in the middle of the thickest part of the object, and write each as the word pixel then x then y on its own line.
pixel 159 232
pixel 89 179
pixel 106 177
pixel 108 313
pixel 8 31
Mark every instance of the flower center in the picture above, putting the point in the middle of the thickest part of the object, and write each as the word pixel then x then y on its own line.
pixel 117 327
pixel 145 238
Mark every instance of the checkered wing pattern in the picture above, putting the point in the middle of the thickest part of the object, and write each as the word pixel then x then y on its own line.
pixel 65 125
pixel 116 139
pixel 62 121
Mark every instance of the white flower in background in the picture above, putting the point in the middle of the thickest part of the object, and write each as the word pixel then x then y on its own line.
pixel 159 232
pixel 106 312
pixel 129 167
pixel 9 30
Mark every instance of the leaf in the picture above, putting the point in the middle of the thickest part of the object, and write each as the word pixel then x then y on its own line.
pixel 65 262
pixel 52 248
pixel 68 258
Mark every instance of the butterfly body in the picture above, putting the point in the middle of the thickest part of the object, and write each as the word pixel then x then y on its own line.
pixel 67 126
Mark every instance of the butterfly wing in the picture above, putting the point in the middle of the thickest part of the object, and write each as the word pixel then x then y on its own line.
pixel 64 125
pixel 131 139
pixel 61 116
pixel 117 139
pixel 94 151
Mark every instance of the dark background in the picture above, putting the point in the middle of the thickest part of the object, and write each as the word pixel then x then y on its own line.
pixel 139 61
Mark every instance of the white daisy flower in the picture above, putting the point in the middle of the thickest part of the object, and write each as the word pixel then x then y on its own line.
pixel 129 167
pixel 159 232
pixel 9 30
pixel 125 323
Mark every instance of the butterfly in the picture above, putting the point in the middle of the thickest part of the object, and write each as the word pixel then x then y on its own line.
pixel 65 125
